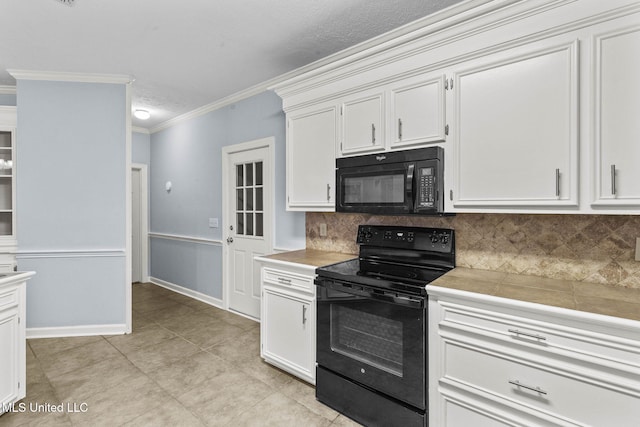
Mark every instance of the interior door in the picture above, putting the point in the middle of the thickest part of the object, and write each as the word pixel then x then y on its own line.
pixel 248 226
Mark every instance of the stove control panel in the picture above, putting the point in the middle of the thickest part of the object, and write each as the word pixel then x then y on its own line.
pixel 419 238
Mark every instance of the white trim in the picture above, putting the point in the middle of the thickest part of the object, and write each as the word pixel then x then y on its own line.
pixel 61 76
pixel 7 90
pixel 76 331
pixel 269 204
pixel 144 215
pixel 184 238
pixel 188 292
pixel 128 147
pixel 70 253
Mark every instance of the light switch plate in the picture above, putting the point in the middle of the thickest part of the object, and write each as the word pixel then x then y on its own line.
pixel 637 248
pixel 213 223
pixel 323 230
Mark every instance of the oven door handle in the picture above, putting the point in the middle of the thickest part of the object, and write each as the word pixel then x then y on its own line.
pixel 387 296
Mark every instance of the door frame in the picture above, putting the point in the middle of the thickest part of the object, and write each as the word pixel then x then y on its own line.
pixel 227 151
pixel 144 219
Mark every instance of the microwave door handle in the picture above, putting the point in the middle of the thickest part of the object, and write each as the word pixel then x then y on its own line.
pixel 409 186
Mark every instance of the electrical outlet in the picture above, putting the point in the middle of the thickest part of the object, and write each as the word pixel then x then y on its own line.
pixel 637 248
pixel 323 230
pixel 213 223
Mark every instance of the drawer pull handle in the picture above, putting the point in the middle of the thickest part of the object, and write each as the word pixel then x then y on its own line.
pixel 526 334
pixel 283 280
pixel 528 387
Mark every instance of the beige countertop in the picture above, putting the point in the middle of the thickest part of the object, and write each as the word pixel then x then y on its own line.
pixel 311 257
pixel 582 296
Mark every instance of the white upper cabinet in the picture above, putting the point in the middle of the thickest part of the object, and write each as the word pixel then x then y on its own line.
pixel 362 125
pixel 516 128
pixel 617 117
pixel 8 120
pixel 418 112
pixel 311 141
pixel 535 103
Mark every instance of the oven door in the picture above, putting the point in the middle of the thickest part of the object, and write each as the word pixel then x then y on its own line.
pixel 377 189
pixel 374 338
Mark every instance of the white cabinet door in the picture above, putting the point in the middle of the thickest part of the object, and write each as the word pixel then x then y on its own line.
pixel 516 128
pixel 288 332
pixel 617 117
pixel 311 142
pixel 362 125
pixel 9 356
pixel 418 112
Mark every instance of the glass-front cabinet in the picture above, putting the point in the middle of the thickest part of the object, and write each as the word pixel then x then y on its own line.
pixel 7 188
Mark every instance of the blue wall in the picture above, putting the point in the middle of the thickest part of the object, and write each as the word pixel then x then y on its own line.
pixel 8 100
pixel 189 155
pixel 140 148
pixel 71 187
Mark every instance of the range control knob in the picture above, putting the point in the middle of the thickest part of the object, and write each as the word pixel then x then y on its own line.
pixel 444 239
pixel 434 238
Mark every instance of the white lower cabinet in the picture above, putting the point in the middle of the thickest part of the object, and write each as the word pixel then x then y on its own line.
pixel 12 339
pixel 288 323
pixel 496 365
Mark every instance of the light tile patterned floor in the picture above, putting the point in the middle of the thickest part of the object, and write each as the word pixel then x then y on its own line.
pixel 185 364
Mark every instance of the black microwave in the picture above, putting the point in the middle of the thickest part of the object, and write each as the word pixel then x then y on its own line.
pixel 392 183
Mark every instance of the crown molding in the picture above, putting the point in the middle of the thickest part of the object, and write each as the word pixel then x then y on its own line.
pixel 138 129
pixel 60 76
pixel 334 60
pixel 7 90
pixel 223 102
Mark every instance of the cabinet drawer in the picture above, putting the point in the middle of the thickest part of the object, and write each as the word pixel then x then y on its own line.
pixel 288 279
pixel 554 338
pixel 562 393
pixel 8 298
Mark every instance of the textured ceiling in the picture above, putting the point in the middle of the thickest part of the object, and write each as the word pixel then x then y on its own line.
pixel 189 53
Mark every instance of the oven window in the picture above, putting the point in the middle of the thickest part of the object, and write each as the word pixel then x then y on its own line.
pixel 372 339
pixel 374 189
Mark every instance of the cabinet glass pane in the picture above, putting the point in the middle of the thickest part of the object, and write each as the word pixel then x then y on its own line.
pixel 5 139
pixel 5 194
pixel 6 219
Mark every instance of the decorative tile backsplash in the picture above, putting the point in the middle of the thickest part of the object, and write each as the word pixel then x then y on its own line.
pixel 592 248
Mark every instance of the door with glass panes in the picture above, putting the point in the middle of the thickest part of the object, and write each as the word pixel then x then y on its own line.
pixel 248 224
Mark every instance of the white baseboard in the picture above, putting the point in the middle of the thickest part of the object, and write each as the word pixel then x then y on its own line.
pixel 76 331
pixel 188 292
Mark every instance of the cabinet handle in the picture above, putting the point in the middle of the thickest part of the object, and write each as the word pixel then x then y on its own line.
pixel 283 280
pixel 400 129
pixel 304 314
pixel 557 182
pixel 328 192
pixel 526 334
pixel 528 387
pixel 613 179
pixel 373 133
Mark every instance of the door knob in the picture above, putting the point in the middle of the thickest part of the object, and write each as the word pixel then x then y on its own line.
pixel 229 239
